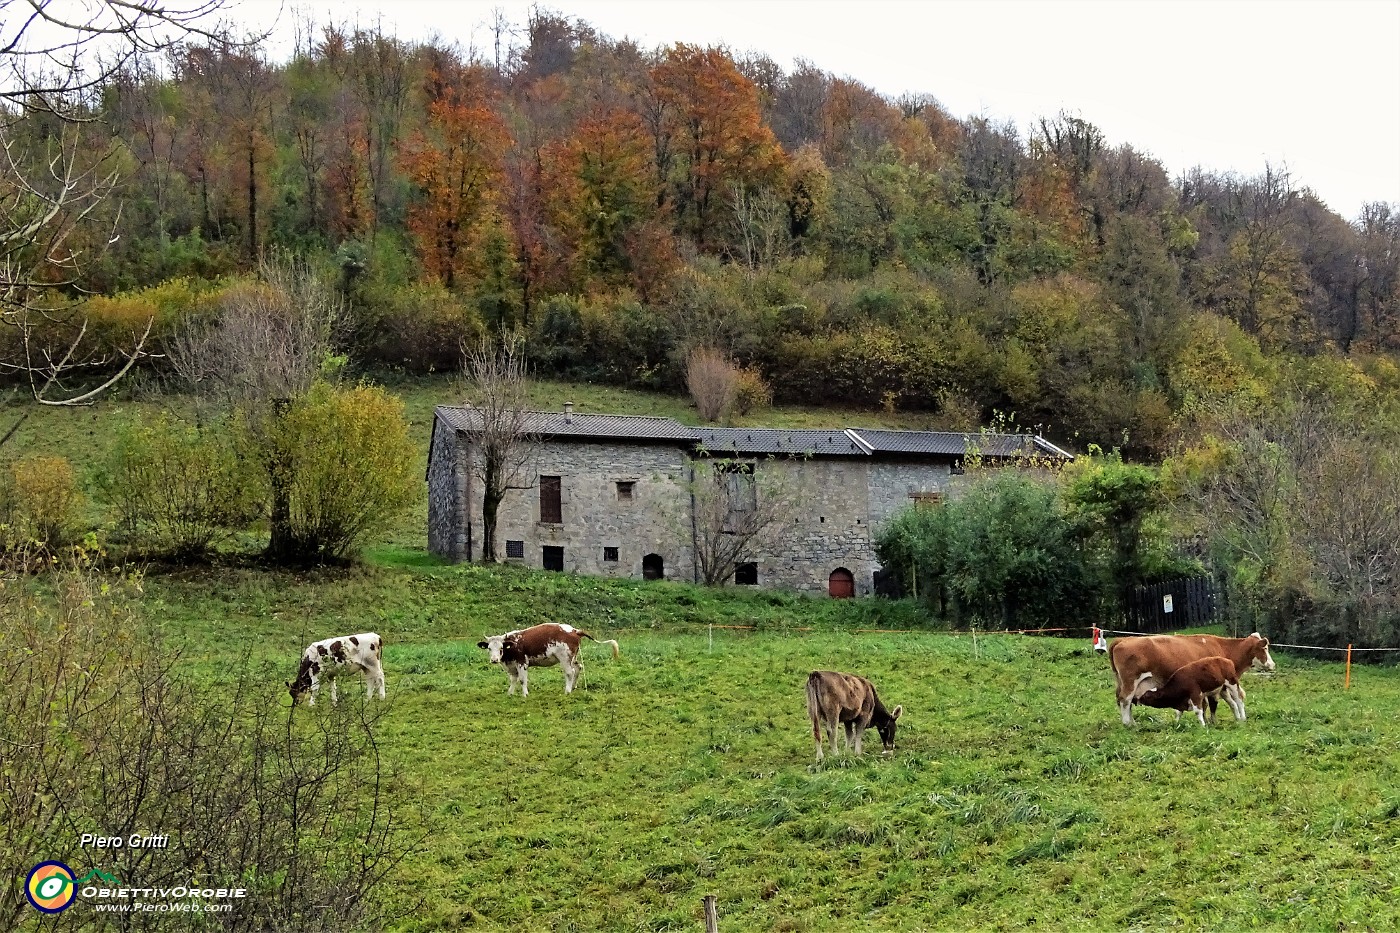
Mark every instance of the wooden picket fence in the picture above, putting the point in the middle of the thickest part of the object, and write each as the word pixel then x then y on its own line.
pixel 1175 604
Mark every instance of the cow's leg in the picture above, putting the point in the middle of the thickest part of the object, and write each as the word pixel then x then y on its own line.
pixel 859 732
pixel 833 729
pixel 1234 696
pixel 513 674
pixel 524 670
pixel 1198 707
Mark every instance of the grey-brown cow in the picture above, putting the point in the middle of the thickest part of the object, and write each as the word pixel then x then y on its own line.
pixel 835 699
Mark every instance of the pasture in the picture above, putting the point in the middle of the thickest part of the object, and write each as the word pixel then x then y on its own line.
pixel 686 767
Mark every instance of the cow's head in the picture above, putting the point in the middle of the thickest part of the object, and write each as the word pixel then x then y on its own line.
pixel 302 685
pixel 494 645
pixel 1259 652
pixel 886 729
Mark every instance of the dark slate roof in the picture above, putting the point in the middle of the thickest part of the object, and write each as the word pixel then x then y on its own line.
pixel 948 443
pixel 833 443
pixel 557 423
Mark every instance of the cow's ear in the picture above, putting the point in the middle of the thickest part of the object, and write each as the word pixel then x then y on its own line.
pixel 897 711
pixel 481 644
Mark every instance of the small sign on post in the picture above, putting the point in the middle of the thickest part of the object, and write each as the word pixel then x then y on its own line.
pixel 1167 603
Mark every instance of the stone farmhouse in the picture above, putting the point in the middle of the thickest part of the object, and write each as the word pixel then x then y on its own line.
pixel 611 495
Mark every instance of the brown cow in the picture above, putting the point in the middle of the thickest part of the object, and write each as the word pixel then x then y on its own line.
pixel 1144 662
pixel 844 699
pixel 539 646
pixel 1187 689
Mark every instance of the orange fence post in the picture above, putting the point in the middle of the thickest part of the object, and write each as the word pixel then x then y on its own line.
pixel 1347 686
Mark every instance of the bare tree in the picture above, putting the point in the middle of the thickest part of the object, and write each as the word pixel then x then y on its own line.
pixel 506 435
pixel 759 226
pixel 54 60
pixel 713 381
pixel 740 508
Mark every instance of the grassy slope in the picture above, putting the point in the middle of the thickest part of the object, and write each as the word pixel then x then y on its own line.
pixel 685 767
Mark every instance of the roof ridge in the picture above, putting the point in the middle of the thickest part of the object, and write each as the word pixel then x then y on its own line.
pixel 594 414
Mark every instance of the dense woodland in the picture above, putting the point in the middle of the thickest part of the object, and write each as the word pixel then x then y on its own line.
pixel 624 207
pixel 625 204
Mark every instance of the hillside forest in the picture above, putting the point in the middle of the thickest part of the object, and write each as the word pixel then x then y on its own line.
pixel 623 206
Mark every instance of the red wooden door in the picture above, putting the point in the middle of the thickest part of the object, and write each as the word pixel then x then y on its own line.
pixel 842 584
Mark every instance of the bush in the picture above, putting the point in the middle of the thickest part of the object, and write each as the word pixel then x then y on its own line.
pixel 294 805
pixel 176 490
pixel 420 328
pixel 1005 555
pixel 752 391
pixel 346 461
pixel 713 381
pixel 40 503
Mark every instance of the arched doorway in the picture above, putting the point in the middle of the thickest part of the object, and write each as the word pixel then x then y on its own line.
pixel 841 584
pixel 653 567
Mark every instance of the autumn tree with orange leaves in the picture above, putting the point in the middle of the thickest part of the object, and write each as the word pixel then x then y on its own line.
pixel 717 135
pixel 455 164
pixel 606 204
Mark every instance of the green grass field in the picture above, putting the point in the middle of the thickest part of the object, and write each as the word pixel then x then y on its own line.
pixel 686 767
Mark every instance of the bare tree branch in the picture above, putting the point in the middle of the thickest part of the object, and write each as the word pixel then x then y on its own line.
pixel 505 441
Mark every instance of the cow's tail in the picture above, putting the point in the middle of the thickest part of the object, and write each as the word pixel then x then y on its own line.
pixel 814 704
pixel 603 641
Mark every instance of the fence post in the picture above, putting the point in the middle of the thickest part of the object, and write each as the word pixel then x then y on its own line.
pixel 711 914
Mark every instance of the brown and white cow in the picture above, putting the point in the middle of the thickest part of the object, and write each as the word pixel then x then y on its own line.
pixel 835 699
pixel 1144 662
pixel 330 658
pixel 540 646
pixel 1188 688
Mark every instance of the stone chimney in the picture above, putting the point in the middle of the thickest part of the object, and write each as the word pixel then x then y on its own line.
pixel 568 412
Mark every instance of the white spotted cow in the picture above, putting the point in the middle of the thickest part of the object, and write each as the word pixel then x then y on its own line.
pixel 835 700
pixel 330 658
pixel 539 646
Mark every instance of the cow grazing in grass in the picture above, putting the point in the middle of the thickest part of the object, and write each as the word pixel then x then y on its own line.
pixel 1144 662
pixel 539 646
pixel 835 700
pixel 331 658
pixel 1187 690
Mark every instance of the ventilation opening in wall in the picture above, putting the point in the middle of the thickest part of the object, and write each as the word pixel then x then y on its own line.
pixel 515 549
pixel 553 558
pixel 610 554
pixel 746 574
pixel 624 490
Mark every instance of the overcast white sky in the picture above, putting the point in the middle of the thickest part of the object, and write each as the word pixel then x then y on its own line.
pixel 1226 84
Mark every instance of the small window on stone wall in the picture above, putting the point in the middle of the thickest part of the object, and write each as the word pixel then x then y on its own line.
pixel 746 574
pixel 610 553
pixel 624 491
pixel 515 549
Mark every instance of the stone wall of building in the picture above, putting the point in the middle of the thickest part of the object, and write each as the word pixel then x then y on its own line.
pixel 829 527
pixel 839 505
pixel 894 484
pixel 449 484
pixel 595 514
